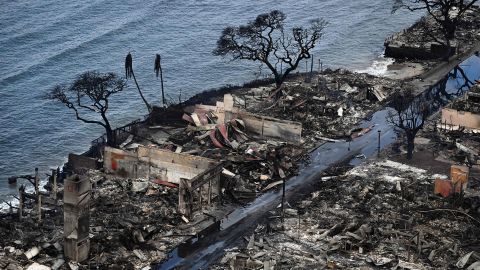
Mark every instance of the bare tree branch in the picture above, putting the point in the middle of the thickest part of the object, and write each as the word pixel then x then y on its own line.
pixel 264 40
pixel 409 115
pixel 446 13
pixel 90 93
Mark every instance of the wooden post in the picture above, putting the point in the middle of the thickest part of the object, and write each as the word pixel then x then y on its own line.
pixel 419 243
pixel 37 180
pixel 307 77
pixel 283 201
pixel 218 187
pixel 184 197
pixel 39 208
pixel 209 192
pixel 54 187
pixel 298 228
pixel 200 190
pixel 311 67
pixel 20 202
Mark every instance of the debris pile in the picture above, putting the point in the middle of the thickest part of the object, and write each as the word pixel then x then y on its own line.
pixel 133 224
pixel 328 108
pixel 256 138
pixel 382 215
pixel 424 40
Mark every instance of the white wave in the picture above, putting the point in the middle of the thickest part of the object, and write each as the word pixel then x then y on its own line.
pixel 9 199
pixel 379 67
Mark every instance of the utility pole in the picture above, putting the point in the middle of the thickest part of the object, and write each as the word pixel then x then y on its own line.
pixel 307 77
pixel 378 148
pixel 283 201
pixel 311 70
pixel 311 67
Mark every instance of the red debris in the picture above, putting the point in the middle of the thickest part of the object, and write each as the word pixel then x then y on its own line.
pixel 164 183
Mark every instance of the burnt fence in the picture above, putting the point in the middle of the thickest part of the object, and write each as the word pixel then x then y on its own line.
pixel 121 134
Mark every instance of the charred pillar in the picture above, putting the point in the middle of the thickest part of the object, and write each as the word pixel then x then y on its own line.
pixel 185 197
pixel 54 187
pixel 39 208
pixel 21 200
pixel 76 211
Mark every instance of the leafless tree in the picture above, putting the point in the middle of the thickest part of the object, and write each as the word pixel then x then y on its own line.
pixel 265 40
pixel 89 95
pixel 409 115
pixel 446 13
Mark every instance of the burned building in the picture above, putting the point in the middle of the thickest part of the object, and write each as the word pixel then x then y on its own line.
pixel 464 113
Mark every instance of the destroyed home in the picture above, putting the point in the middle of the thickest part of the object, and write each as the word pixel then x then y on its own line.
pixel 424 40
pixel 195 172
pixel 161 190
pixel 379 215
pixel 464 113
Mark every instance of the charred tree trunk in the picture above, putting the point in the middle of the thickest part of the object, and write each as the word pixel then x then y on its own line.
pixel 449 28
pixel 410 145
pixel 111 138
pixel 448 51
pixel 149 108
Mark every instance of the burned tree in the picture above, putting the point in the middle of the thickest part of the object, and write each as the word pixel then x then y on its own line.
pixel 158 70
pixel 265 40
pixel 446 13
pixel 408 114
pixel 89 95
pixel 129 74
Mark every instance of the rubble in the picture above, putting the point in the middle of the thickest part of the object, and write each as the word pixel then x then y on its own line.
pixel 416 42
pixel 168 182
pixel 464 113
pixel 361 219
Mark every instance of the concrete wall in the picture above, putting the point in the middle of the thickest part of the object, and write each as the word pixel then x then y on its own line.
pixel 79 161
pixel 429 51
pixel 460 118
pixel 122 163
pixel 155 163
pixel 262 126
pixel 268 127
pixel 170 166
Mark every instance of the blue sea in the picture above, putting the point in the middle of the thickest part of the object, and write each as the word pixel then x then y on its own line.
pixel 49 42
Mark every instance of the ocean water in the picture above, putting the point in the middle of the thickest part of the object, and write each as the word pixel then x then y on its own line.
pixel 44 43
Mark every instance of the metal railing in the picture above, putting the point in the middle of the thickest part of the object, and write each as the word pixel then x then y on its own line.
pixel 121 134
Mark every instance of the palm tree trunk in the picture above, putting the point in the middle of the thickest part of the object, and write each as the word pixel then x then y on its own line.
pixel 161 81
pixel 149 108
